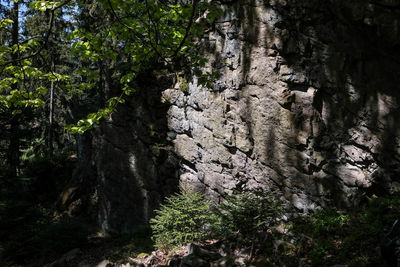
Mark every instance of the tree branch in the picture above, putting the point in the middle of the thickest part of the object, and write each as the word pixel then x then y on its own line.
pixel 46 37
pixel 189 26
pixel 133 30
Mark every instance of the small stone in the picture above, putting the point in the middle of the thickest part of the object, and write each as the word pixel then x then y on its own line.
pixel 68 257
pixel 203 253
pixel 174 262
pixel 227 261
pixel 104 263
pixel 192 260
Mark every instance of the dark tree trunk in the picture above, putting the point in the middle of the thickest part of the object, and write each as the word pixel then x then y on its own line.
pixel 13 150
pixel 51 113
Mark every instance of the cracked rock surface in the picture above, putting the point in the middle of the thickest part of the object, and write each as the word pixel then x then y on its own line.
pixel 307 103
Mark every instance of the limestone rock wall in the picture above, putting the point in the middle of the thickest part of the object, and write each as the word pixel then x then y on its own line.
pixel 307 102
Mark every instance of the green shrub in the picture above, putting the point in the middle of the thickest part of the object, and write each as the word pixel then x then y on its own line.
pixel 326 228
pixel 328 221
pixel 245 214
pixel 347 237
pixel 318 254
pixel 184 218
pixel 360 261
pixel 188 217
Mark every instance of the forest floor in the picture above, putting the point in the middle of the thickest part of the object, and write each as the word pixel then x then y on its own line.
pixel 30 235
pixel 326 238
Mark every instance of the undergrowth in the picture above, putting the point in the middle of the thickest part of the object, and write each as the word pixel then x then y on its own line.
pixel 188 217
pixel 28 231
pixel 325 238
pixel 184 218
pixel 353 237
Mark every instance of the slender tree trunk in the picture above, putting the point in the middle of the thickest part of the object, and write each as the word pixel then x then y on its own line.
pixel 107 80
pixel 51 113
pixel 101 85
pixel 13 150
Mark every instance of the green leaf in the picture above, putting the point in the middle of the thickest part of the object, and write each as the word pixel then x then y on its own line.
pixel 5 49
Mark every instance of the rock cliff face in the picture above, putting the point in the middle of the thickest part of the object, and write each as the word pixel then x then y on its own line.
pixel 134 164
pixel 307 103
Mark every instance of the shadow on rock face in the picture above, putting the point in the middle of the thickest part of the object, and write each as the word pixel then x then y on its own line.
pixel 135 166
pixel 309 103
pixel 129 166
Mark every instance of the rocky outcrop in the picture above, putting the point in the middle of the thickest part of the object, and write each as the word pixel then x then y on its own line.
pixel 135 167
pixel 307 102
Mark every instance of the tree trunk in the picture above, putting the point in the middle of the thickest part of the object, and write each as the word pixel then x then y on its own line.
pixel 13 150
pixel 51 113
